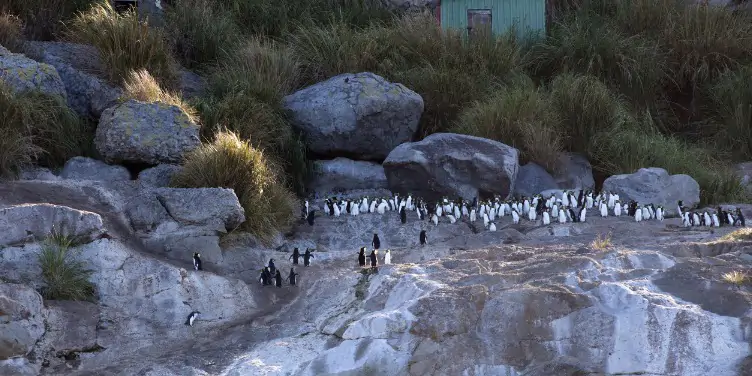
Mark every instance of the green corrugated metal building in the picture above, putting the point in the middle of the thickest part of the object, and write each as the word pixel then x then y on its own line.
pixel 469 15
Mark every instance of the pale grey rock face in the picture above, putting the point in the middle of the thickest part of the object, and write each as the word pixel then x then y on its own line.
pixel 22 223
pixel 158 176
pixel 89 95
pixel 454 165
pixel 71 326
pixel 38 173
pixel 342 174
pixel 22 74
pixel 360 115
pixel 141 132
pixel 574 172
pixel 82 168
pixel 217 208
pixel 656 186
pixel 21 320
pixel 533 179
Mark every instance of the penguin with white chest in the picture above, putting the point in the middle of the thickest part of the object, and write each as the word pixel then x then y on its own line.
pixel 192 318
pixel 197 261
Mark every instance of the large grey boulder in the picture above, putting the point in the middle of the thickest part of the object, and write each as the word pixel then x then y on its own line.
pixel 533 179
pixel 71 326
pixel 217 208
pixel 22 74
pixel 21 320
pixel 454 165
pixel 342 174
pixel 77 65
pixel 361 115
pixel 82 168
pixel 574 172
pixel 20 223
pixel 158 176
pixel 655 186
pixel 150 133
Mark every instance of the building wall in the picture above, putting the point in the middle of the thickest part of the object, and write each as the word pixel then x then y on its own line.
pixel 526 14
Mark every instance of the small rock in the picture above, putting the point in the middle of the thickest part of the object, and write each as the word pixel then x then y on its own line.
pixel 342 174
pixel 141 132
pixel 82 168
pixel 454 165
pixel 655 186
pixel 574 172
pixel 22 74
pixel 159 176
pixel 359 114
pixel 533 179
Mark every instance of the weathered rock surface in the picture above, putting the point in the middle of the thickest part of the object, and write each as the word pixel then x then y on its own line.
pixel 656 186
pixel 574 172
pixel 360 115
pixel 454 165
pixel 342 174
pixel 21 320
pixel 22 74
pixel 82 168
pixel 217 208
pixel 158 176
pixel 533 179
pixel 38 173
pixel 77 65
pixel 141 132
pixel 30 222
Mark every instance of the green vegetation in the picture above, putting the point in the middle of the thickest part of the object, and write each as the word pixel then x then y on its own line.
pixel 44 18
pixel 11 29
pixel 229 162
pixel 141 86
pixel 601 242
pixel 38 128
pixel 742 234
pixel 736 278
pixel 65 278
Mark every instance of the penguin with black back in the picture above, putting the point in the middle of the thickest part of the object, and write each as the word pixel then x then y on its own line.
pixel 422 237
pixel 632 208
pixel 541 207
pixel 362 257
pixel 292 276
pixel 278 279
pixel 376 243
pixel 740 218
pixel 196 261
pixel 403 215
pixel 575 217
pixel 311 217
pixel 374 259
pixel 272 268
pixel 475 202
pixel 192 317
pixel 580 198
pixel 307 257
pixel 295 255
pixel 330 204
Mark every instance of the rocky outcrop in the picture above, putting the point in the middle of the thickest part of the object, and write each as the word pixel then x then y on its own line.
pixel 454 165
pixel 574 172
pixel 21 223
pixel 22 74
pixel 77 65
pixel 655 186
pixel 82 168
pixel 158 176
pixel 359 115
pixel 150 133
pixel 38 173
pixel 214 208
pixel 533 179
pixel 342 174
pixel 21 320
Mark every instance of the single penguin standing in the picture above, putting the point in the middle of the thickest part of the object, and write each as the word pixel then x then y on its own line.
pixel 311 217
pixel 403 215
pixel 266 277
pixel 376 243
pixel 196 261
pixel 295 255
pixel 374 259
pixel 388 257
pixel 362 257
pixel 278 279
pixel 272 268
pixel 292 276
pixel 192 317
pixel 307 257
pixel 422 237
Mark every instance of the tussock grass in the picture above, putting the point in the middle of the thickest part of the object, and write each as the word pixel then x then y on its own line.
pixel 141 86
pixel 742 234
pixel 44 18
pixel 11 32
pixel 125 43
pixel 38 128
pixel 601 242
pixel 65 277
pixel 736 278
pixel 731 104
pixel 230 162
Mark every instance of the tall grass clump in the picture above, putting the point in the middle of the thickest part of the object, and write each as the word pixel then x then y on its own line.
pixel 520 116
pixel 65 277
pixel 229 162
pixel 731 105
pixel 125 43
pixel 203 31
pixel 43 19
pixel 11 32
pixel 38 128
pixel 141 86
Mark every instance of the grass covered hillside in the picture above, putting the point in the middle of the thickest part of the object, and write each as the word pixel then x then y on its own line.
pixel 628 83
